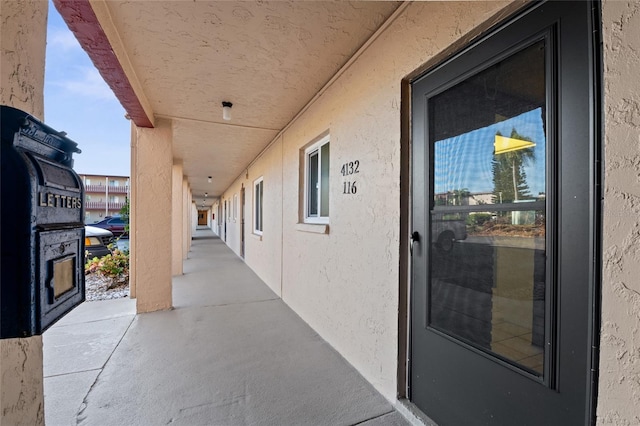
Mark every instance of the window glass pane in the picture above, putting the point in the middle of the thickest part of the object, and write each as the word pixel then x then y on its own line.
pixel 258 206
pixel 261 204
pixel 324 180
pixel 488 221
pixel 312 179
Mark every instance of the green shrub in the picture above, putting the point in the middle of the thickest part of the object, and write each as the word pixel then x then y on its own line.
pixel 124 213
pixel 478 219
pixel 112 265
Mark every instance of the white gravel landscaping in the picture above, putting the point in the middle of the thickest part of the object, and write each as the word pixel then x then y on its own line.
pixel 99 287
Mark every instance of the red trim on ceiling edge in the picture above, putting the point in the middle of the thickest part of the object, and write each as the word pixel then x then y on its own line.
pixel 82 21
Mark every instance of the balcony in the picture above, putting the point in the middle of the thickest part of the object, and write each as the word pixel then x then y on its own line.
pixel 103 189
pixel 101 205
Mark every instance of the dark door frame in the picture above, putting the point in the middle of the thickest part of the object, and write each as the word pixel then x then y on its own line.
pixel 404 289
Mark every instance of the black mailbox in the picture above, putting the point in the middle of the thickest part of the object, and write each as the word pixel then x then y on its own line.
pixel 42 226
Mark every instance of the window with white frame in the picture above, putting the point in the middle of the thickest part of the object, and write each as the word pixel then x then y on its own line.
pixel 316 186
pixel 257 205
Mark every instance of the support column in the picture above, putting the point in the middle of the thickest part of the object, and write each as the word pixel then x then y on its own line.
pixel 133 202
pixel 186 219
pixel 194 216
pixel 22 400
pixel 23 40
pixel 152 217
pixel 177 220
pixel 191 227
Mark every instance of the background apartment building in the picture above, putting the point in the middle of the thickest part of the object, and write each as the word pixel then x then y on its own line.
pixel 105 196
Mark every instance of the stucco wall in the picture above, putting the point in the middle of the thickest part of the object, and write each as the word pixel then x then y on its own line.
pixel 233 225
pixel 21 386
pixel 232 236
pixel 344 283
pixel 177 200
pixel 214 222
pixel 186 218
pixel 263 253
pixel 619 387
pixel 152 180
pixel 194 216
pixel 23 51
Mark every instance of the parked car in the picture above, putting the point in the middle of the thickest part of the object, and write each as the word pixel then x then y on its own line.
pixel 444 233
pixel 97 241
pixel 115 224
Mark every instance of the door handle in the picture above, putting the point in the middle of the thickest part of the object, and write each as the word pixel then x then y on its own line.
pixel 415 238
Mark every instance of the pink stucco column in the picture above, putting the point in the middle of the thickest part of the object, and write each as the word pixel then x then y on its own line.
pixel 23 38
pixel 152 212
pixel 177 219
pixel 186 218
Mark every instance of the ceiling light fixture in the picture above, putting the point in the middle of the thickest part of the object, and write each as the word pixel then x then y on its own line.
pixel 226 110
pixel 209 179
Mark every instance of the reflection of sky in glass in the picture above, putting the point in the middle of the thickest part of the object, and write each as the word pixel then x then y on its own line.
pixel 464 161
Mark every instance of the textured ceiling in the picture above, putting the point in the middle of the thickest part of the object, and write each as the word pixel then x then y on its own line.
pixel 268 58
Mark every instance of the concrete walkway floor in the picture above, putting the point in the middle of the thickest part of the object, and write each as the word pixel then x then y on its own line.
pixel 230 353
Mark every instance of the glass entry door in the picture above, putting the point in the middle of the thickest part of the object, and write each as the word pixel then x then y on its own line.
pixel 489 210
pixel 503 209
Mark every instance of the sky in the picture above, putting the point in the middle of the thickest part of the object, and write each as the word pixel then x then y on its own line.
pixel 464 161
pixel 79 102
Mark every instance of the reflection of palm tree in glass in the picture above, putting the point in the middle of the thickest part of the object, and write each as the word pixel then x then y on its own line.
pixel 509 177
pixel 460 196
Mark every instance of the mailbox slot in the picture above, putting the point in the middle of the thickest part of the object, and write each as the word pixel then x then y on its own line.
pixel 60 272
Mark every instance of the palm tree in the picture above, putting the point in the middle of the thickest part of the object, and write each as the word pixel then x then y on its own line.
pixel 509 177
pixel 460 196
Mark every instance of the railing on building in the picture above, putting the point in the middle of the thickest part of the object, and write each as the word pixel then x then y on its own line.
pixel 101 205
pixel 123 189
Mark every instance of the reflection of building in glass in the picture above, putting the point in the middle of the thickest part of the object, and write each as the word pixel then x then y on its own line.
pixel 468 199
pixel 480 198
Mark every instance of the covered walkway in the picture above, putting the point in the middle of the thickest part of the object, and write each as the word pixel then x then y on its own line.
pixel 229 353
